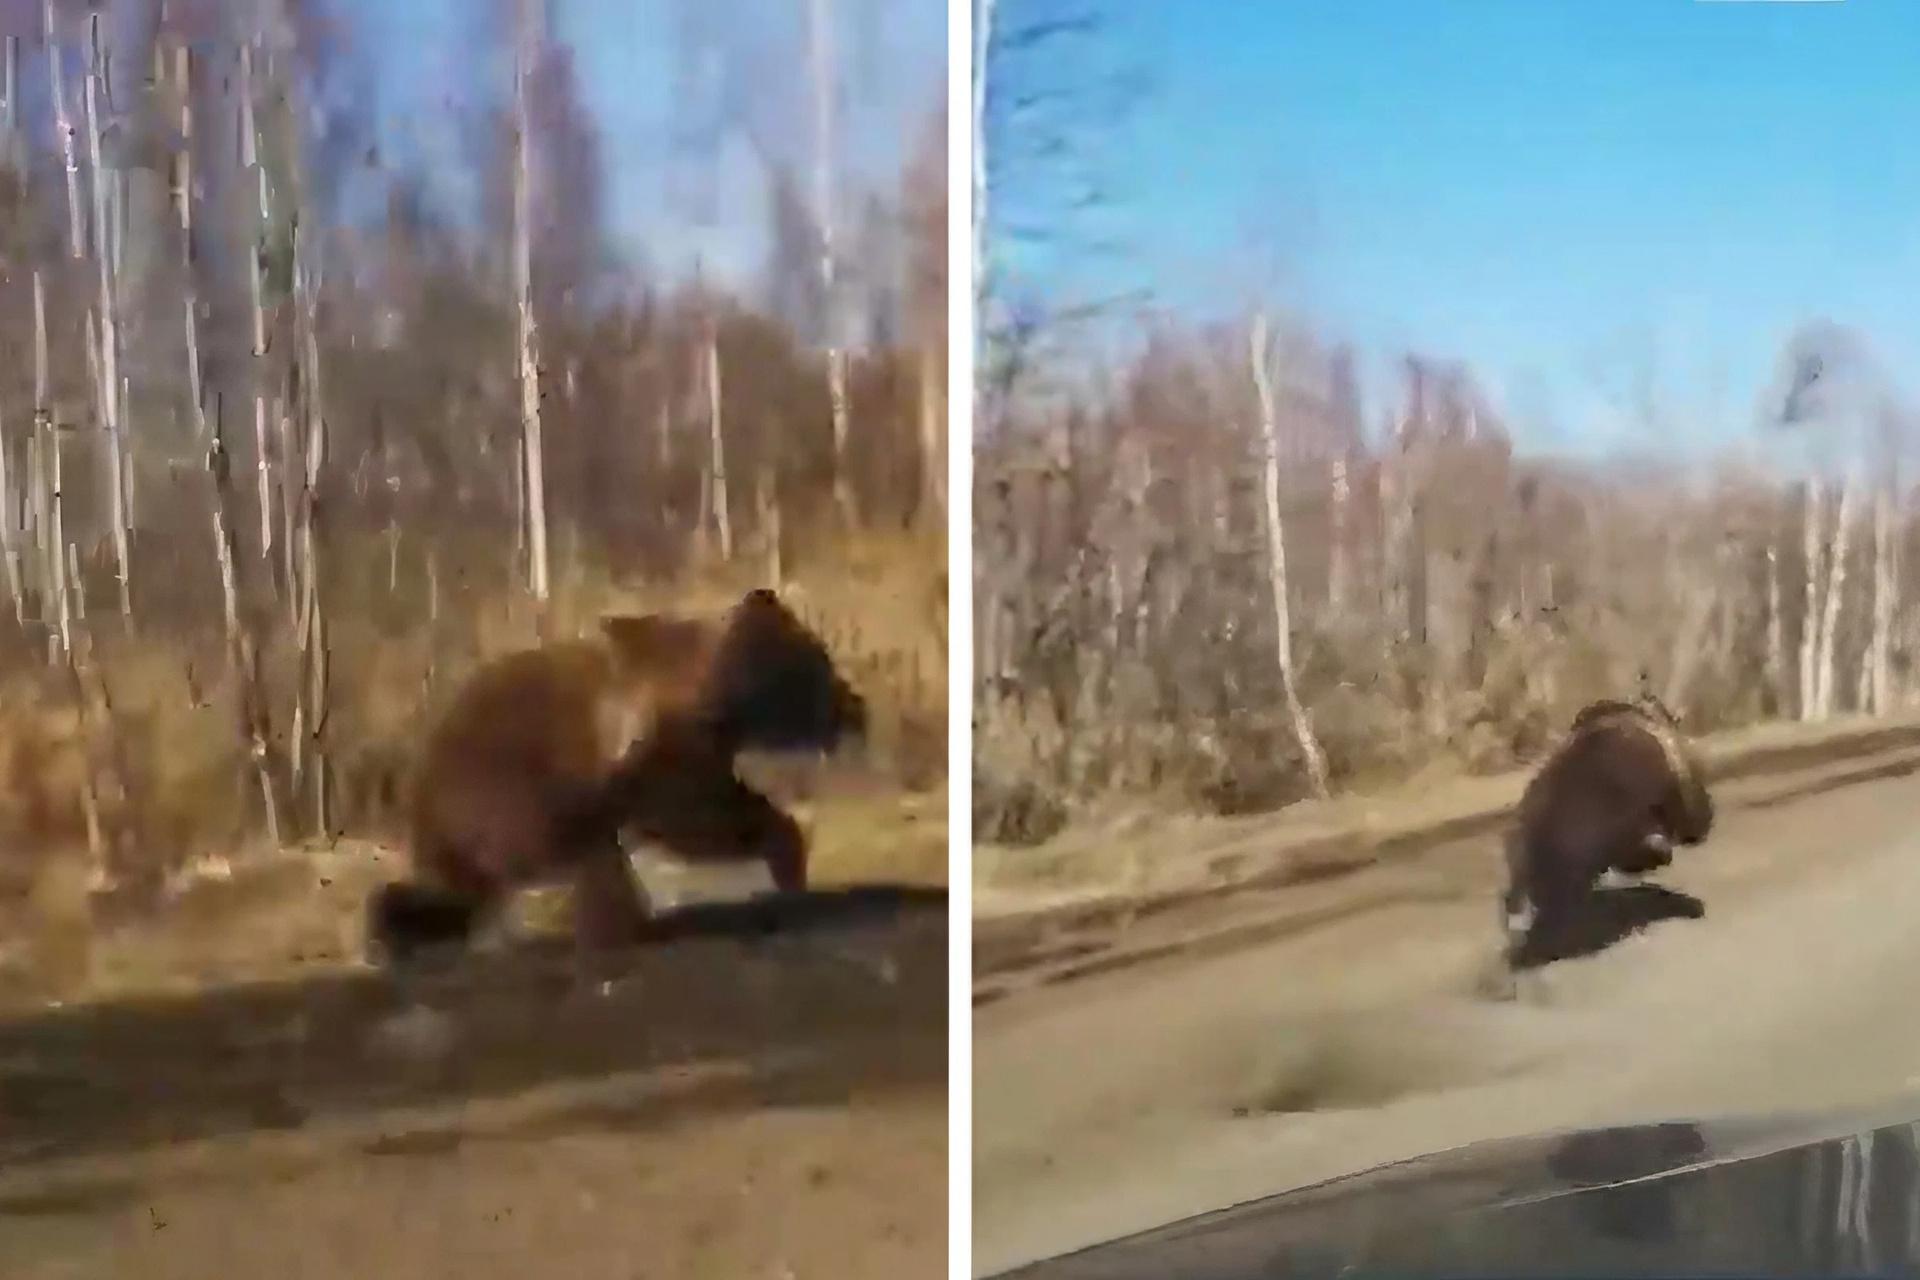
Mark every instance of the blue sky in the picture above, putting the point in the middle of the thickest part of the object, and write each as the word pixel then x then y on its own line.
pixel 627 54
pixel 1563 192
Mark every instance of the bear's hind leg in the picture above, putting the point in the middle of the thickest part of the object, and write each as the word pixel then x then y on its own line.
pixel 406 920
pixel 610 907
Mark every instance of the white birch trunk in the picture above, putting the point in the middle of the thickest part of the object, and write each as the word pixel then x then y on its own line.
pixel 250 161
pixel 770 528
pixel 1875 665
pixel 1337 567
pixel 1776 646
pixel 108 384
pixel 12 510
pixel 243 665
pixel 315 688
pixel 717 448
pixel 64 135
pixel 10 89
pixel 54 537
pixel 526 345
pixel 1812 544
pixel 820 30
pixel 933 453
pixel 1277 561
pixel 1826 674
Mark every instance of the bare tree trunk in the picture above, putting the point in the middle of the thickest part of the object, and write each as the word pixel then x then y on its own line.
pixel 256 173
pixel 1879 673
pixel 1689 644
pixel 243 665
pixel 933 453
pixel 314 693
pixel 40 521
pixel 526 346
pixel 663 438
pixel 54 538
pixel 716 443
pixel 770 528
pixel 10 90
pixel 242 651
pixel 1277 561
pixel 12 510
pixel 1337 568
pixel 62 570
pixel 1813 543
pixel 12 493
pixel 286 447
pixel 1826 673
pixel 183 155
pixel 64 135
pixel 820 29
pixel 109 352
pixel 1776 645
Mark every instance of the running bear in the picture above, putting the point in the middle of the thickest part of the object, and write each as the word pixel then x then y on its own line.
pixel 546 756
pixel 1620 792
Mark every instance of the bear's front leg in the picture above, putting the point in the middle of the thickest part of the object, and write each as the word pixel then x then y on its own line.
pixel 1654 851
pixel 722 819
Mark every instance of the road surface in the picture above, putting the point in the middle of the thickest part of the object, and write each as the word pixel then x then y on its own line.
pixel 1140 1096
pixel 757 1106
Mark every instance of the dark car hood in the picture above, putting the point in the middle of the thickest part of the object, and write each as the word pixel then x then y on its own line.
pixel 1771 1196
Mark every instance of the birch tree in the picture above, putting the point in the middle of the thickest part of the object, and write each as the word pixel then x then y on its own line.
pixel 716 438
pixel 108 359
pixel 1261 356
pixel 820 17
pixel 526 343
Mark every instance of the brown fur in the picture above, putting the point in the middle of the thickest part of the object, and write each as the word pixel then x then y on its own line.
pixel 1618 794
pixel 546 755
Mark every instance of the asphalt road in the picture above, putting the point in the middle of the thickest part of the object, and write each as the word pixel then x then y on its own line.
pixel 1134 1098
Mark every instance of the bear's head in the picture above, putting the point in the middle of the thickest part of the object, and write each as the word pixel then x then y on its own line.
pixel 758 678
pixel 771 684
pixel 1689 811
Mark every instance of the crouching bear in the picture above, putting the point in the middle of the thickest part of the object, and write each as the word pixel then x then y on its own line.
pixel 1617 795
pixel 546 756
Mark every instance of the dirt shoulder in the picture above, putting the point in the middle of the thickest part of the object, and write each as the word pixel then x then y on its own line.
pixel 1105 875
pixel 738 1102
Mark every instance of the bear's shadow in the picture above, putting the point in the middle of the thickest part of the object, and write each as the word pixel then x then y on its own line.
pixel 1611 915
pixel 854 1005
pixel 742 919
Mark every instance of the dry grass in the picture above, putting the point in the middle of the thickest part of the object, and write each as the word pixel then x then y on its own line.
pixel 1384 718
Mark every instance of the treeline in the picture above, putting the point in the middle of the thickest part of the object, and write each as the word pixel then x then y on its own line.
pixel 289 436
pixel 1216 573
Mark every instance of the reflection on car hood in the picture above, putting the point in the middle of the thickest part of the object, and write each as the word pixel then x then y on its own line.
pixel 1773 1196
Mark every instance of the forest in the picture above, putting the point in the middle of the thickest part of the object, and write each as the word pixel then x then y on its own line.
pixel 1210 572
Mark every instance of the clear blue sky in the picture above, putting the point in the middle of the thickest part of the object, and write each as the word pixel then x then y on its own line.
pixel 893 55
pixel 1554 190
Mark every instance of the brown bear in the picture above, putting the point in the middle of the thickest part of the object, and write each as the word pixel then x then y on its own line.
pixel 545 756
pixel 1617 795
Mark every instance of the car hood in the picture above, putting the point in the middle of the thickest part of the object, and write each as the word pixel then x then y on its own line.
pixel 1762 1196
